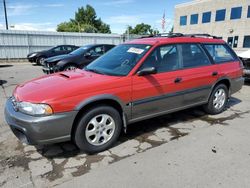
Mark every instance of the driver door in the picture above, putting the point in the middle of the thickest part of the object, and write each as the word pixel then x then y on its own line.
pixel 157 93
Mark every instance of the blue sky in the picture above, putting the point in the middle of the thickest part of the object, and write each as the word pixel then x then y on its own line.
pixel 47 14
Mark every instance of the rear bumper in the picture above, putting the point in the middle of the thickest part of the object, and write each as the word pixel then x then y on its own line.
pixel 236 84
pixel 39 130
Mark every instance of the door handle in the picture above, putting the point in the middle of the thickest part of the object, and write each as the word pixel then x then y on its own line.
pixel 177 80
pixel 215 73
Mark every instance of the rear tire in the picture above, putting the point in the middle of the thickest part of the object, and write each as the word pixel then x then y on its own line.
pixel 98 129
pixel 217 100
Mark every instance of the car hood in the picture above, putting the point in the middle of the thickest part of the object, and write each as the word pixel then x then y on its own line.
pixel 35 53
pixel 58 58
pixel 62 85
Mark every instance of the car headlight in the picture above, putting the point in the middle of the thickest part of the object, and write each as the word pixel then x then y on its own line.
pixel 34 109
pixel 32 55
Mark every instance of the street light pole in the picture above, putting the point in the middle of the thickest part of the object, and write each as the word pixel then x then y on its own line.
pixel 5 13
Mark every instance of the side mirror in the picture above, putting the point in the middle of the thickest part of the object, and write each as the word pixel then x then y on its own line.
pixel 87 54
pixel 147 71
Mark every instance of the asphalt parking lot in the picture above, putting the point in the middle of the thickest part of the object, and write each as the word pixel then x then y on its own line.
pixel 184 149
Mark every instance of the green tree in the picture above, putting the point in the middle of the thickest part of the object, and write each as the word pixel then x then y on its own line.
pixel 142 29
pixel 85 21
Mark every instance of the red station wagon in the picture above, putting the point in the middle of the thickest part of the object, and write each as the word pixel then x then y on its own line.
pixel 140 79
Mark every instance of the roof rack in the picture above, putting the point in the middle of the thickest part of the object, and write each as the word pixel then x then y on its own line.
pixel 172 35
pixel 202 35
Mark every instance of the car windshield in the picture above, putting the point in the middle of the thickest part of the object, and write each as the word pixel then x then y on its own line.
pixel 120 60
pixel 80 51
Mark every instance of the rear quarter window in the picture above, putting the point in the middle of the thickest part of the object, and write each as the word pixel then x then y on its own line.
pixel 219 53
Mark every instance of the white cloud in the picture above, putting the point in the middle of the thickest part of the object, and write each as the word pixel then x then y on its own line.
pixel 118 2
pixel 2 26
pixel 24 9
pixel 54 5
pixel 47 26
pixel 17 10
pixel 130 19
pixel 123 19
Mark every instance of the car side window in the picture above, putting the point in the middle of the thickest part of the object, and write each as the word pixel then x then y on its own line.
pixel 68 48
pixel 107 48
pixel 58 49
pixel 193 56
pixel 163 58
pixel 97 51
pixel 219 53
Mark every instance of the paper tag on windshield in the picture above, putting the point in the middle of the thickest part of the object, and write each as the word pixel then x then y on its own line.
pixel 135 50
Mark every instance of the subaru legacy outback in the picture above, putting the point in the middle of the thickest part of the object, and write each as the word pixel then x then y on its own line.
pixel 140 79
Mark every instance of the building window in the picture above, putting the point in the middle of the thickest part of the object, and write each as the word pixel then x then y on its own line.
pixel 194 19
pixel 183 20
pixel 248 12
pixel 206 17
pixel 236 38
pixel 236 13
pixel 230 41
pixel 220 15
pixel 246 43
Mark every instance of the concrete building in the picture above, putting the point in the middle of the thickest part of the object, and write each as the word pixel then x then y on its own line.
pixel 229 19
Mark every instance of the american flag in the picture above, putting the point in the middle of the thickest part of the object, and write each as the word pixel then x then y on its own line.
pixel 163 22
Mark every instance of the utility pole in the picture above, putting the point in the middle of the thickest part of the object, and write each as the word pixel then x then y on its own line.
pixel 5 13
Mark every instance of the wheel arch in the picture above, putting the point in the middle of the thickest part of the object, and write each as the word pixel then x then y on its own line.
pixel 108 100
pixel 63 64
pixel 224 80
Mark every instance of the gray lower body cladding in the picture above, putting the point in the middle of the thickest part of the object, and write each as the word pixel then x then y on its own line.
pixel 39 130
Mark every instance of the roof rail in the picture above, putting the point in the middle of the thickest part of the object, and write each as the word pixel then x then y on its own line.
pixel 172 35
pixel 201 35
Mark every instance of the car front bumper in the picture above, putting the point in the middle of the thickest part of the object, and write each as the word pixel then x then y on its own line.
pixel 50 70
pixel 31 59
pixel 39 130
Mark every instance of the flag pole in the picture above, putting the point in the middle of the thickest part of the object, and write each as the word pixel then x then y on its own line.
pixel 163 22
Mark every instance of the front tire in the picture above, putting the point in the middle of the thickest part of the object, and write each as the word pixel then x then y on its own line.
pixel 40 60
pixel 217 100
pixel 69 67
pixel 98 129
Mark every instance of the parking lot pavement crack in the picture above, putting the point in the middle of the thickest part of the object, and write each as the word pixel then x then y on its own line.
pixel 2 183
pixel 176 133
pixel 56 172
pixel 4 92
pixel 222 120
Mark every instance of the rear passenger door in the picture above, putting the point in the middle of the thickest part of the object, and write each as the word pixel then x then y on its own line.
pixel 198 74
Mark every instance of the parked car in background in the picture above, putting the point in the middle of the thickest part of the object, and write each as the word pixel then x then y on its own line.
pixel 76 59
pixel 245 58
pixel 38 57
pixel 135 81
